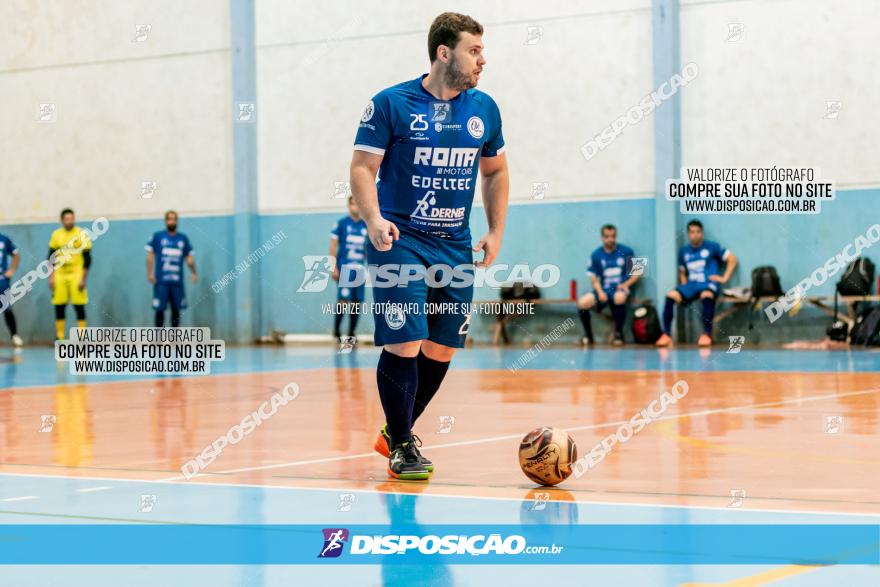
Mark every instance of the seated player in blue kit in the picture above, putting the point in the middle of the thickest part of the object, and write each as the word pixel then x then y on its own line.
pixel 699 265
pixel 609 271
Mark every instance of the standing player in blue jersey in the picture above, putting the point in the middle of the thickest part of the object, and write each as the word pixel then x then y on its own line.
pixel 609 271
pixel 9 259
pixel 699 268
pixel 427 138
pixel 347 239
pixel 166 252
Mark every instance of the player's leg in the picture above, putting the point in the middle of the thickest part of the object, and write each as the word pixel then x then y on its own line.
pixel 672 298
pixel 585 303
pixel 357 296
pixel 60 298
pixel 177 299
pixel 618 312
pixel 400 333
pixel 707 296
pixel 8 316
pixel 160 302
pixel 79 298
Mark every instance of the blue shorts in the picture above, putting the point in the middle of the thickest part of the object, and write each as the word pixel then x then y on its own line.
pixel 609 291
pixel 168 292
pixel 691 290
pixel 4 284
pixel 400 314
pixel 349 274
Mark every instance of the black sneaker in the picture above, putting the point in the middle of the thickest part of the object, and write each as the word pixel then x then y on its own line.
pixel 404 463
pixel 422 459
pixel 618 339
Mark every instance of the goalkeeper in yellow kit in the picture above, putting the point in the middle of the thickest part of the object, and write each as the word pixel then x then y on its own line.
pixel 72 251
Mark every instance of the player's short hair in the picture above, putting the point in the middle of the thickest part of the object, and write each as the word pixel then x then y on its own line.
pixel 446 28
pixel 171 212
pixel 607 227
pixel 66 211
pixel 696 223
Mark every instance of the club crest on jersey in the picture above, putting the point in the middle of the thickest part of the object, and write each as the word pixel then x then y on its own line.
pixel 368 112
pixel 475 127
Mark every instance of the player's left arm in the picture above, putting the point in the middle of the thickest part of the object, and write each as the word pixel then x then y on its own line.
pixel 631 281
pixel 16 258
pixel 191 262
pixel 728 257
pixel 496 191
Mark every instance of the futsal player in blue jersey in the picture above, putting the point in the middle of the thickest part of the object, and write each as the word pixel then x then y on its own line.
pixel 9 259
pixel 610 273
pixel 427 138
pixel 347 239
pixel 699 276
pixel 166 252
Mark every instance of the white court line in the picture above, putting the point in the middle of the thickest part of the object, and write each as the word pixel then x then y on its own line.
pixel 458 496
pixel 519 436
pixel 23 498
pixel 92 489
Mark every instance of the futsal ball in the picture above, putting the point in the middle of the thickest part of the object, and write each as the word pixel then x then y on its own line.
pixel 546 455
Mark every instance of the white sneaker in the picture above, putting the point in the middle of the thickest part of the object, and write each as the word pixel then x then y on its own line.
pixel 17 341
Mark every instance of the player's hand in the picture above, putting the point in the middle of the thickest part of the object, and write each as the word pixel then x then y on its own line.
pixel 717 279
pixel 603 297
pixel 623 288
pixel 51 281
pixel 82 284
pixel 193 277
pixel 151 278
pixel 9 273
pixel 382 233
pixel 490 244
pixel 335 275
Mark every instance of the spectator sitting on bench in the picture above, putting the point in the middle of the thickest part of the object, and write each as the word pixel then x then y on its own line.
pixel 609 264
pixel 699 265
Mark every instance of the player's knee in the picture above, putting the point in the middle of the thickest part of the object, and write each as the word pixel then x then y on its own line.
pixel 404 349
pixel 675 296
pixel 437 352
pixel 707 295
pixel 620 298
pixel 587 301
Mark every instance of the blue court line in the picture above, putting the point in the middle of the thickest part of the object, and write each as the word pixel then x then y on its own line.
pixel 37 367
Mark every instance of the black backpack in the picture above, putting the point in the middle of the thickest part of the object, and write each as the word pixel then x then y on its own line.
pixel 765 282
pixel 858 279
pixel 646 324
pixel 866 330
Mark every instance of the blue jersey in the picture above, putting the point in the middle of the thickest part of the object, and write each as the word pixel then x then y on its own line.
pixel 612 268
pixel 7 251
pixel 703 261
pixel 431 152
pixel 351 234
pixel 170 251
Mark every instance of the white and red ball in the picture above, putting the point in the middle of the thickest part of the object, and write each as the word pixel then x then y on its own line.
pixel 546 455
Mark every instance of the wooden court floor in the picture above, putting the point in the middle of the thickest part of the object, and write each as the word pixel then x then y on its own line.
pixel 793 440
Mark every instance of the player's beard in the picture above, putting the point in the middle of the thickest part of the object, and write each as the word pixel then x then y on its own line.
pixel 456 78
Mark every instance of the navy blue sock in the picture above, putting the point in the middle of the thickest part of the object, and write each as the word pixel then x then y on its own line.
pixel 588 324
pixel 619 313
pixel 667 315
pixel 708 314
pixel 431 374
pixel 353 320
pixel 398 380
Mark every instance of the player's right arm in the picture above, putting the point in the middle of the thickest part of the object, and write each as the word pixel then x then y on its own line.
pixel 53 246
pixel 334 248
pixel 375 135
pixel 151 256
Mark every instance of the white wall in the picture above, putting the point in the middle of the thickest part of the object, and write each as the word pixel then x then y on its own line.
pixel 127 112
pixel 762 100
pixel 319 64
